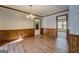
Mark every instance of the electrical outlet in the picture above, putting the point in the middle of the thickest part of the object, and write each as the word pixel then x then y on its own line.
pixel 21 34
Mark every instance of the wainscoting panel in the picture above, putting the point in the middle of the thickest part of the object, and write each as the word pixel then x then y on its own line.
pixel 50 32
pixel 73 41
pixel 6 35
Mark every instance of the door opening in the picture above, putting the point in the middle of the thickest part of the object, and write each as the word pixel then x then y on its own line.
pixel 62 26
pixel 37 23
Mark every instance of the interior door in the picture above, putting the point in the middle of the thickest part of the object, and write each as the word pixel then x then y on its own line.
pixel 37 26
pixel 62 26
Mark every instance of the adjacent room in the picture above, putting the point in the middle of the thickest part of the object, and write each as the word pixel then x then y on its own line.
pixel 39 28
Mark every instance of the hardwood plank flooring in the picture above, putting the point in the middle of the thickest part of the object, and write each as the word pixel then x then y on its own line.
pixel 37 44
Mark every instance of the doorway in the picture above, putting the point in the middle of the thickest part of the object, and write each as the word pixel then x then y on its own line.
pixel 62 26
pixel 37 23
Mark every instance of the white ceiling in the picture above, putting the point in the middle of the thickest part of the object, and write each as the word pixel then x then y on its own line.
pixel 41 10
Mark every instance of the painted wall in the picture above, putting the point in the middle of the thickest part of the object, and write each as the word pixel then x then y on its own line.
pixel 74 19
pixel 10 19
pixel 50 21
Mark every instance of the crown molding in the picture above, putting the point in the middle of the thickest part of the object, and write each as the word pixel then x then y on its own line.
pixel 56 12
pixel 18 10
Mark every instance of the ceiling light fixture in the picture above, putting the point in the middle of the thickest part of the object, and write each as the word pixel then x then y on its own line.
pixel 30 15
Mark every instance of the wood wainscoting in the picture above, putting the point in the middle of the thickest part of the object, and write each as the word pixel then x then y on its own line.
pixel 73 41
pixel 9 35
pixel 50 32
pixel 41 32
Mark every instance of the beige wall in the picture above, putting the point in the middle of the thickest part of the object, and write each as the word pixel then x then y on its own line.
pixel 10 19
pixel 50 21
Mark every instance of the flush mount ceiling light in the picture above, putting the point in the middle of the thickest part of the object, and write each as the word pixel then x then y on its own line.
pixel 30 15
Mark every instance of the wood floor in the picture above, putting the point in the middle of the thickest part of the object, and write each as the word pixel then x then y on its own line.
pixel 37 44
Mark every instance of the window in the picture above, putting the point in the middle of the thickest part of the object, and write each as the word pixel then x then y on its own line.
pixel 62 25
